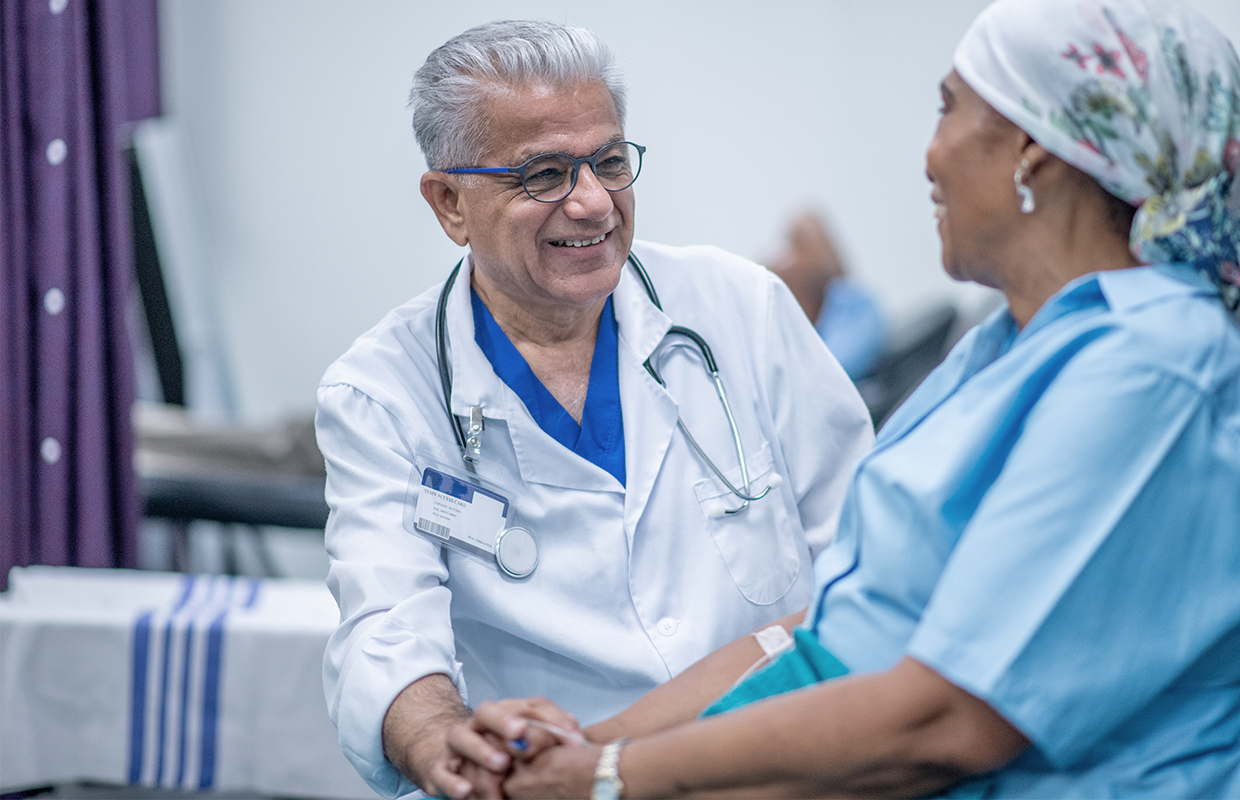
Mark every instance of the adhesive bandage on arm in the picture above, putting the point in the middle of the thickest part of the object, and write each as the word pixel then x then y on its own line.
pixel 773 640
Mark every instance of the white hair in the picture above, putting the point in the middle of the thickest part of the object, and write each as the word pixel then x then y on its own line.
pixel 449 89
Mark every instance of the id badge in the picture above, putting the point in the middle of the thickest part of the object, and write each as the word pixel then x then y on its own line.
pixel 460 513
pixel 468 514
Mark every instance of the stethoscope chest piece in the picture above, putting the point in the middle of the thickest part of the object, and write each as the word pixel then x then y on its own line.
pixel 516 552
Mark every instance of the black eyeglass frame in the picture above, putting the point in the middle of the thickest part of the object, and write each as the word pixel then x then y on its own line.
pixel 592 160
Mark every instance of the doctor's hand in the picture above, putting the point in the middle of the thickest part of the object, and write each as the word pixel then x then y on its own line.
pixel 484 747
pixel 415 738
pixel 512 729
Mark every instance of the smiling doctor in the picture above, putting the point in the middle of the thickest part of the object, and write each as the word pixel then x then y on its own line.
pixel 582 462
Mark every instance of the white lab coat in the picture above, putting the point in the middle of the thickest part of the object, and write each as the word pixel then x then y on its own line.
pixel 634 583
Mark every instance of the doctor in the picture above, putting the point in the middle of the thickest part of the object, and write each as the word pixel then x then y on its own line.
pixel 535 487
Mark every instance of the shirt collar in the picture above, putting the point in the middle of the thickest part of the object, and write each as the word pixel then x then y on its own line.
pixel 1126 289
pixel 1119 290
pixel 642 328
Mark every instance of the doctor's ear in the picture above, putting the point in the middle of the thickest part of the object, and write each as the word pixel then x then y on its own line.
pixel 444 196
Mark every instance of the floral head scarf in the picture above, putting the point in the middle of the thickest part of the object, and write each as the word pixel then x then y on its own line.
pixel 1143 95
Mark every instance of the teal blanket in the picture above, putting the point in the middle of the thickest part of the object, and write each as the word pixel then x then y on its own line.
pixel 804 665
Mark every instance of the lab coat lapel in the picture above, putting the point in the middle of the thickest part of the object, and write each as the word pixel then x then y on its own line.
pixel 650 413
pixel 539 458
pixel 474 382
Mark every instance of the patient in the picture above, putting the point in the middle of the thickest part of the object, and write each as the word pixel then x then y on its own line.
pixel 1033 589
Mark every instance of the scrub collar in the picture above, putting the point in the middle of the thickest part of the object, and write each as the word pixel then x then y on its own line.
pixel 1143 95
pixel 599 438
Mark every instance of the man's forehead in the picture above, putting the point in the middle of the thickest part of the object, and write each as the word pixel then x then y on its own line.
pixel 527 120
pixel 586 149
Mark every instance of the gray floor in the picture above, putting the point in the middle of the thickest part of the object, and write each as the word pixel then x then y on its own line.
pixel 92 791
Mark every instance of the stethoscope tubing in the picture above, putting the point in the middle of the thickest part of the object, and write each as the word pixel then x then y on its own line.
pixel 441 352
pixel 445 379
pixel 704 349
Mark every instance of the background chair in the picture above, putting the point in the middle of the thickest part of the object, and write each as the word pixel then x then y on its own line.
pixel 193 461
pixel 911 353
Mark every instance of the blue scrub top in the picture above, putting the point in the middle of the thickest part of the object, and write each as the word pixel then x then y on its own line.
pixel 599 438
pixel 1052 522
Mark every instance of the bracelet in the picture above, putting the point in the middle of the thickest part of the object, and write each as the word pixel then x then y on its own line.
pixel 607 783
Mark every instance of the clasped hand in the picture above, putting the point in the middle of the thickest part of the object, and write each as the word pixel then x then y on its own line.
pixel 501 754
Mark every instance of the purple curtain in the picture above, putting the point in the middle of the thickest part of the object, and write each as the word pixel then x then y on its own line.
pixel 73 73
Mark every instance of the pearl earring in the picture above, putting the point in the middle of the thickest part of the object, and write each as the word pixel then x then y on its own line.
pixel 1022 189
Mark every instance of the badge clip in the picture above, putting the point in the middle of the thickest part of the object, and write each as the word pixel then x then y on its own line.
pixel 473 442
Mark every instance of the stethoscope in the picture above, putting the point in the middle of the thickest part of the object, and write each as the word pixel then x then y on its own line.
pixel 470 440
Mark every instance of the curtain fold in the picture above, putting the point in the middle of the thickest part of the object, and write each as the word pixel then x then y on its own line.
pixel 73 74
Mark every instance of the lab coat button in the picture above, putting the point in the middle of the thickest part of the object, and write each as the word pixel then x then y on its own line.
pixel 667 626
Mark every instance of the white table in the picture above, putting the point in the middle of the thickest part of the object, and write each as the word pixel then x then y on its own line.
pixel 167 680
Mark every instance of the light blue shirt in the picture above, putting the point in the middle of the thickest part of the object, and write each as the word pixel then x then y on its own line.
pixel 851 326
pixel 1052 522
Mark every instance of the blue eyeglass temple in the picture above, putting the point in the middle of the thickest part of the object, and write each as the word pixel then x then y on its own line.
pixel 577 162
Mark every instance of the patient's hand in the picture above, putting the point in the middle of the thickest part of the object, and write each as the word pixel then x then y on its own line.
pixel 499 733
pixel 558 772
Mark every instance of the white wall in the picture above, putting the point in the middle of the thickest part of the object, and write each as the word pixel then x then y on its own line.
pixel 750 111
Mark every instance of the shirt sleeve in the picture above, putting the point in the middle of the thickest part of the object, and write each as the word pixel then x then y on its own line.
pixel 824 426
pixel 394 608
pixel 1101 563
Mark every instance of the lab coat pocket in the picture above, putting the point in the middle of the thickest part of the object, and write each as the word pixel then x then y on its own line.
pixel 759 545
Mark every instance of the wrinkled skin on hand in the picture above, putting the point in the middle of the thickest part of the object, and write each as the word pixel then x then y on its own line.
pixel 489 743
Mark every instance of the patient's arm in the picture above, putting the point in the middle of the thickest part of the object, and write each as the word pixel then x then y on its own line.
pixel 683 697
pixel 901 733
pixel 679 700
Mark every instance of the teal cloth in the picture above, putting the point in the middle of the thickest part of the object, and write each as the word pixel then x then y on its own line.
pixel 804 665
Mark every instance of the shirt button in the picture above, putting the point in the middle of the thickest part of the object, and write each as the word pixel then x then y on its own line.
pixel 667 626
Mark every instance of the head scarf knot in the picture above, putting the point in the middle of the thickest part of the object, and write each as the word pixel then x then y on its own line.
pixel 1143 95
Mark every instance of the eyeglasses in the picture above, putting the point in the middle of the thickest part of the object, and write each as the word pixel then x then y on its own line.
pixel 551 177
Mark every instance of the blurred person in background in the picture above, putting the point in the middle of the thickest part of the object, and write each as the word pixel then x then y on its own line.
pixel 844 312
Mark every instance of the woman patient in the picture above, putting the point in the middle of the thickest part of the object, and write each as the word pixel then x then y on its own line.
pixel 1035 588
